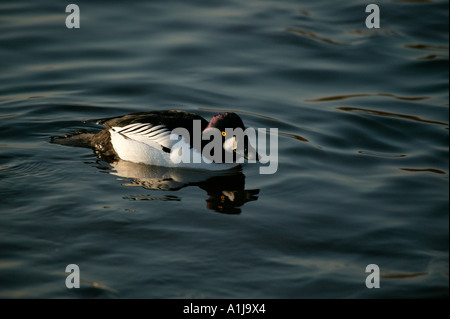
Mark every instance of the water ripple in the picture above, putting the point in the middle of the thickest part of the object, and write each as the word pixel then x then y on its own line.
pixel 378 154
pixel 431 170
pixel 390 114
pixel 294 136
pixel 314 36
pixel 428 47
pixel 351 96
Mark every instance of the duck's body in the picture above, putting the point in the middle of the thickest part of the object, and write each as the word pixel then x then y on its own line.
pixel 148 138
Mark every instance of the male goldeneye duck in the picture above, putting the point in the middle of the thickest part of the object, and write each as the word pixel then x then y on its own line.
pixel 148 138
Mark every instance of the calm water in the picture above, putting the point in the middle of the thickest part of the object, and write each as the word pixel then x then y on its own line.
pixel 363 150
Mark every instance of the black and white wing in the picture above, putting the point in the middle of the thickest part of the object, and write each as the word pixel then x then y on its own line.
pixel 157 136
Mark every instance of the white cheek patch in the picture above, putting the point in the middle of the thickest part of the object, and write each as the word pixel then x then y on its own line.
pixel 230 144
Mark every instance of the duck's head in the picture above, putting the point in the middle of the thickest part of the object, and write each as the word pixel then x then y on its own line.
pixel 229 120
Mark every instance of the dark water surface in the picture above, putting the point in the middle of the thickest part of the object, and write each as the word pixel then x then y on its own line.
pixel 363 150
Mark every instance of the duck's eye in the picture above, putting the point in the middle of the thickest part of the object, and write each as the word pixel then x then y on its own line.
pixel 224 133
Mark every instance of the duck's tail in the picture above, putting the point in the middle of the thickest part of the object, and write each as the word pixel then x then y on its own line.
pixel 99 142
pixel 76 139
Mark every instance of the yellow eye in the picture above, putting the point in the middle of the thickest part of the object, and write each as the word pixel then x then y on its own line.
pixel 224 133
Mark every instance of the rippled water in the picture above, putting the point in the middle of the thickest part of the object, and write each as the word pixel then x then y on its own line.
pixel 363 150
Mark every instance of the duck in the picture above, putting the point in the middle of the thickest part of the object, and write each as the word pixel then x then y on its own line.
pixel 153 138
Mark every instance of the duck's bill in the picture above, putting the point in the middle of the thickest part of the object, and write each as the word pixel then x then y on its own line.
pixel 249 154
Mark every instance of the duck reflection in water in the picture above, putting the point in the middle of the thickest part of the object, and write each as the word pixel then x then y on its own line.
pixel 225 189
